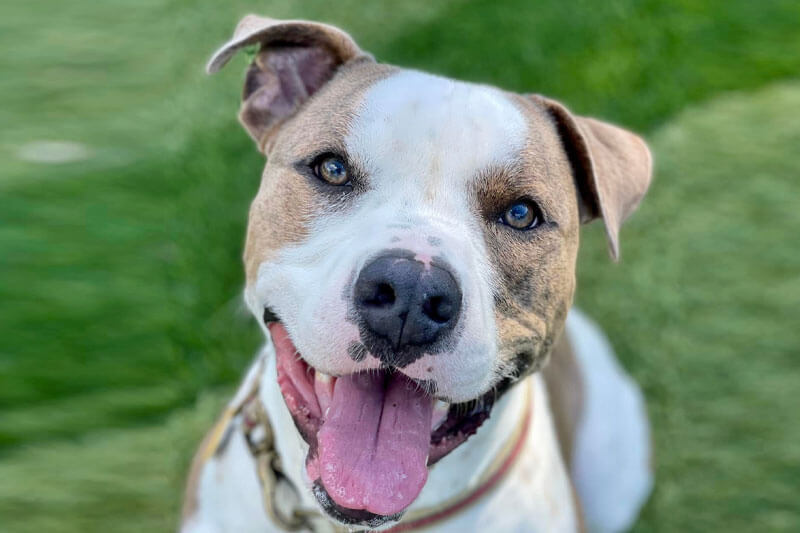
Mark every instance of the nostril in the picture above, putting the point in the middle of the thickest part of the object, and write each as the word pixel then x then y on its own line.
pixel 383 297
pixel 438 309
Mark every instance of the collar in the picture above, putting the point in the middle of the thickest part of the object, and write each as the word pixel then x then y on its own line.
pixel 258 433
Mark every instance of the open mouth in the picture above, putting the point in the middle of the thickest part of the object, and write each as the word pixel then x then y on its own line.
pixel 372 435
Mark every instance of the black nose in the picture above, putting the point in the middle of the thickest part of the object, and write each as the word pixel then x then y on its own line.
pixel 406 302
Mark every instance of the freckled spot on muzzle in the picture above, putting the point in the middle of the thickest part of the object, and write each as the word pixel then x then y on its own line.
pixel 356 351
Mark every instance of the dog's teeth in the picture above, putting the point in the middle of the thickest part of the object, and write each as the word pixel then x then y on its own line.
pixel 323 388
pixel 440 410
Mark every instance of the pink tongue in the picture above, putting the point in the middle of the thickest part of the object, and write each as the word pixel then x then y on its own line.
pixel 373 445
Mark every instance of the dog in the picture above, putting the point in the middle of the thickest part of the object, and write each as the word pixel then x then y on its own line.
pixel 410 256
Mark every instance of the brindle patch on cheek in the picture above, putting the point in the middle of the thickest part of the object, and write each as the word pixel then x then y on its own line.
pixel 530 307
pixel 523 349
pixel 524 275
pixel 534 282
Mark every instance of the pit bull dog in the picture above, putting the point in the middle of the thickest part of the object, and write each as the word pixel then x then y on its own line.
pixel 410 256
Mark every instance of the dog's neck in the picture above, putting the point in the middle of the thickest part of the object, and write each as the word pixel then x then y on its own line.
pixel 463 469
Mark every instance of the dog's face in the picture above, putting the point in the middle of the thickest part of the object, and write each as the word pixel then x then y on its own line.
pixel 414 241
pixel 428 177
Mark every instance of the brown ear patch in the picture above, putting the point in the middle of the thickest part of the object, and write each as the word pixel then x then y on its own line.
pixel 278 82
pixel 295 59
pixel 266 31
pixel 612 166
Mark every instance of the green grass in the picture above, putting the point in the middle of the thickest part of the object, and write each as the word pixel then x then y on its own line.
pixel 702 310
pixel 120 275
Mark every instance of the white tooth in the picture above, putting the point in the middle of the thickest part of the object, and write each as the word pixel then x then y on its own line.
pixel 324 378
pixel 440 410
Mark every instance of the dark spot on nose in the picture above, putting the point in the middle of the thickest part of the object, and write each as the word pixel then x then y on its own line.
pixel 405 306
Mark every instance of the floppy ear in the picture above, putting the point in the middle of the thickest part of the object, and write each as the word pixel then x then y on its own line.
pixel 613 167
pixel 295 59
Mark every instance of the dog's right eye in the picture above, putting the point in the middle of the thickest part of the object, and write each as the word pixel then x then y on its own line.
pixel 521 215
pixel 331 169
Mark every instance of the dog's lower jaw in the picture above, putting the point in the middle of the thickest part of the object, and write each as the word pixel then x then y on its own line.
pixel 446 480
pixel 348 516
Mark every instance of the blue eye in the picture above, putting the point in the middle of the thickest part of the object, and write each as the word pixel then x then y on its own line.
pixel 521 215
pixel 519 212
pixel 332 169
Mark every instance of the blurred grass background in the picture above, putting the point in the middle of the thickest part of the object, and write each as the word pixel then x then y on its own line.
pixel 121 328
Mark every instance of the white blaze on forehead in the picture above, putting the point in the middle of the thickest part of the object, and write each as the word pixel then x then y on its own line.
pixel 433 133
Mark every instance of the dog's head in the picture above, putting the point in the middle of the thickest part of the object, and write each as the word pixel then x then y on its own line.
pixel 411 250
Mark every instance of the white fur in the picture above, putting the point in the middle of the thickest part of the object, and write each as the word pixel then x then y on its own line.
pixel 421 139
pixel 229 494
pixel 611 459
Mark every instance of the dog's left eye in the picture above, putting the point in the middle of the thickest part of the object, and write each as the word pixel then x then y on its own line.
pixel 523 214
pixel 332 169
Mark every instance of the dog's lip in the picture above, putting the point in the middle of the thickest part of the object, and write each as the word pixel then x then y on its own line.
pixel 460 421
pixel 350 517
pixel 269 317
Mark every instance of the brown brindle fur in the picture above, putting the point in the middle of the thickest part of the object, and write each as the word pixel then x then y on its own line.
pixel 535 270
